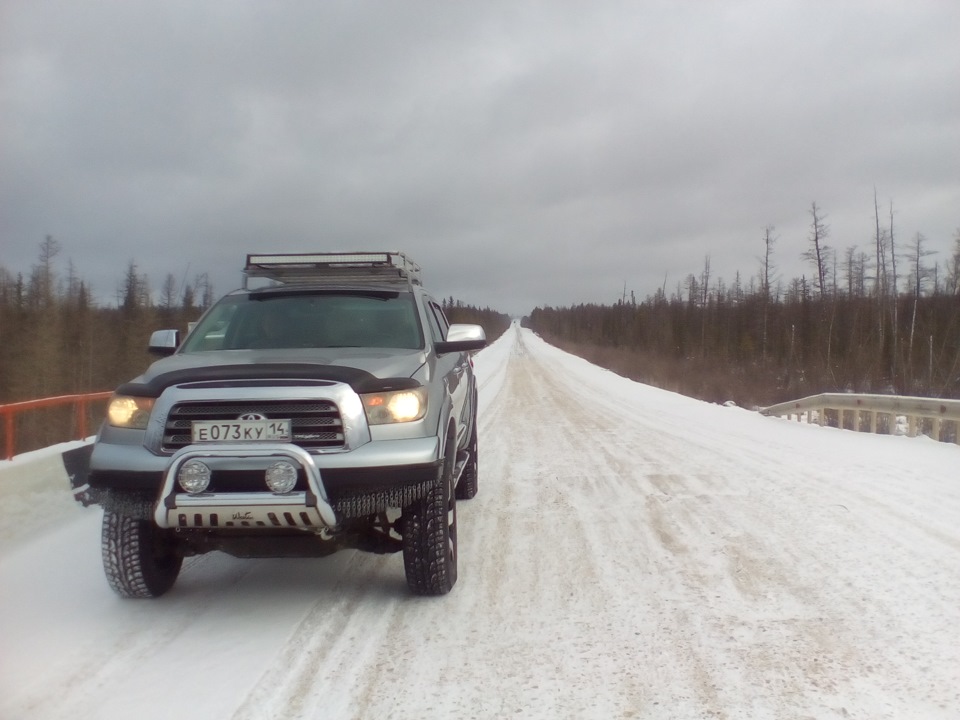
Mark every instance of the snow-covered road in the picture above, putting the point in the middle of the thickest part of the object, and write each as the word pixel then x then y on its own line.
pixel 631 554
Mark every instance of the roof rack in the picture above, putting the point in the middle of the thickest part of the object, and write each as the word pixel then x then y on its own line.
pixel 339 268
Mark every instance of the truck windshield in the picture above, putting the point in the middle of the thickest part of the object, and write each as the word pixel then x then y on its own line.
pixel 308 320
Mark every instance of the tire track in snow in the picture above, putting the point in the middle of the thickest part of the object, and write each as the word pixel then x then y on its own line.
pixel 575 447
pixel 803 642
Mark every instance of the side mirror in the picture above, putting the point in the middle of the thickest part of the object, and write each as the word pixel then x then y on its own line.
pixel 164 342
pixel 462 338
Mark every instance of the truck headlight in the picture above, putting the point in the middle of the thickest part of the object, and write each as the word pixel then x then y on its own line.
pixel 129 412
pixel 395 407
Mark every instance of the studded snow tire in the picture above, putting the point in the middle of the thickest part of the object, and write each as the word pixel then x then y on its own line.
pixel 139 559
pixel 429 529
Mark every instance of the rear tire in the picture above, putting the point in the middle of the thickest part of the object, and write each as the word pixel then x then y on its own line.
pixel 140 559
pixel 429 528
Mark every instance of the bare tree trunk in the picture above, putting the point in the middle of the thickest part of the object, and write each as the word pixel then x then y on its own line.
pixel 705 295
pixel 881 273
pixel 895 350
pixel 819 252
pixel 768 241
pixel 833 317
pixel 953 269
pixel 919 274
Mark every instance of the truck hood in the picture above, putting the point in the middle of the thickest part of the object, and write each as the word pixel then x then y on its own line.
pixel 365 369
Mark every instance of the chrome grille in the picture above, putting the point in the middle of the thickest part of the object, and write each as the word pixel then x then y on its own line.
pixel 315 424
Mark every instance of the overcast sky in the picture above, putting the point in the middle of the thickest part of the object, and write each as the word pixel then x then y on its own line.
pixel 524 153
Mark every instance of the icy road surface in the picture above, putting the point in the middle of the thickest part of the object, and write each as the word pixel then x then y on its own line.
pixel 631 554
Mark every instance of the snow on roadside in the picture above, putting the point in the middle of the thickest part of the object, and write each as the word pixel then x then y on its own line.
pixel 631 553
pixel 35 494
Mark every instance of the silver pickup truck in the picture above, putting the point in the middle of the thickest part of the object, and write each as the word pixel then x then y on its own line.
pixel 333 407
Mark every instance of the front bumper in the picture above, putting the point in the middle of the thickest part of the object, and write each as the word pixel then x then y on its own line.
pixel 337 486
pixel 132 466
pixel 306 510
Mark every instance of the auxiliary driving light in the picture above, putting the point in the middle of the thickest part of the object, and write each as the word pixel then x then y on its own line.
pixel 281 477
pixel 194 476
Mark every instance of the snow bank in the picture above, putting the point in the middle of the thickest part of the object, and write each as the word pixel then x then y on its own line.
pixel 35 494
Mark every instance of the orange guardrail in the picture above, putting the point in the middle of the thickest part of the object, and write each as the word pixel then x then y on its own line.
pixel 80 402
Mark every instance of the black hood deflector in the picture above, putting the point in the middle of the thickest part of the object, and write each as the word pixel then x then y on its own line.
pixel 360 380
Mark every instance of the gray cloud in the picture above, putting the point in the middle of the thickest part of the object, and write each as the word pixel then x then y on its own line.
pixel 540 153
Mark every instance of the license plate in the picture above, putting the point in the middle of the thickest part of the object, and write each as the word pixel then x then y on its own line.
pixel 240 430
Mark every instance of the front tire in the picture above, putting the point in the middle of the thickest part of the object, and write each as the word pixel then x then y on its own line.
pixel 140 559
pixel 429 528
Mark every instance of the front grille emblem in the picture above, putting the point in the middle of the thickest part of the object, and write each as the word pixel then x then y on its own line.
pixel 252 416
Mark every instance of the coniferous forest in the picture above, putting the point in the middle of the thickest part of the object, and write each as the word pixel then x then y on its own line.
pixel 885 322
pixel 55 340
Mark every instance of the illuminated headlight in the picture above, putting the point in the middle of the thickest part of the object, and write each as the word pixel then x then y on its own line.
pixel 194 476
pixel 281 477
pixel 395 407
pixel 129 412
